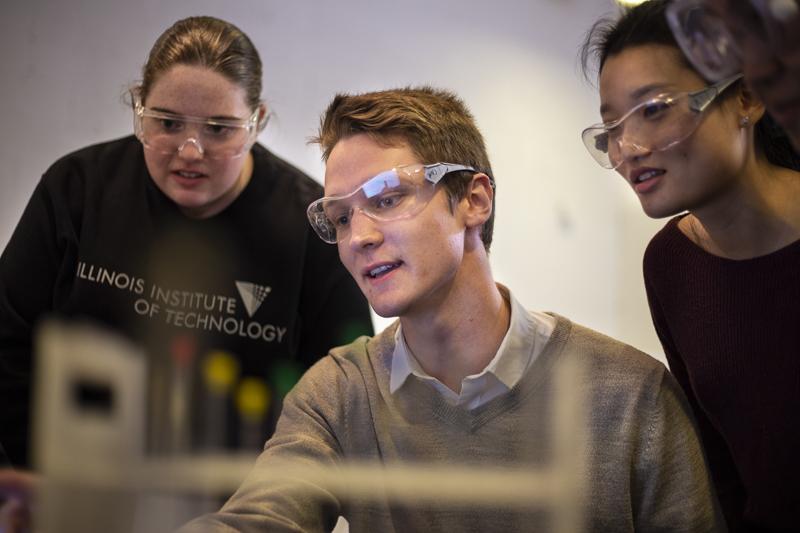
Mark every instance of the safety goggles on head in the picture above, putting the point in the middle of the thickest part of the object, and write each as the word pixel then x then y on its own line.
pixel 169 133
pixel 401 192
pixel 655 125
pixel 706 39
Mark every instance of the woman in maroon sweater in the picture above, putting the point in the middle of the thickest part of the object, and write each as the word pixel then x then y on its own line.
pixel 722 276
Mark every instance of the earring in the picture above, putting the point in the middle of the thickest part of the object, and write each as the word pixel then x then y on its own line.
pixel 745 121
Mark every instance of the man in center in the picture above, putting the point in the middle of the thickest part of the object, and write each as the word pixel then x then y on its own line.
pixel 465 376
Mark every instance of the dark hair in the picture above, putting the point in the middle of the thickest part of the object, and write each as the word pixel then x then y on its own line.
pixel 206 42
pixel 435 123
pixel 647 24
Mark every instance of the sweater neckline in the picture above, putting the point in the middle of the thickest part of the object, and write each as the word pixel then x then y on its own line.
pixel 471 419
pixel 678 236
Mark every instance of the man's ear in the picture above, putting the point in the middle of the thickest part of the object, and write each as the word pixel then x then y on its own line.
pixel 478 202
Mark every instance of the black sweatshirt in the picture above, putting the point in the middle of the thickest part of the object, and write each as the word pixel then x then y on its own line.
pixel 99 241
pixel 731 333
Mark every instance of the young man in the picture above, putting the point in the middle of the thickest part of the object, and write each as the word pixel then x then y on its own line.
pixel 465 376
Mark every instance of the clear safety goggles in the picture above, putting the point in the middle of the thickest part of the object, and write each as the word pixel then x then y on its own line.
pixel 708 43
pixel 655 125
pixel 169 133
pixel 401 192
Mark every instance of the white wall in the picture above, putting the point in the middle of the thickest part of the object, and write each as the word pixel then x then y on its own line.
pixel 569 235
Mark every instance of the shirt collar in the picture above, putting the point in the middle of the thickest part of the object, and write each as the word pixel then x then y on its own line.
pixel 527 334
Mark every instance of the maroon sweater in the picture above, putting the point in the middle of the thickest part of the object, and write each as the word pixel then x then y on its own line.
pixel 731 333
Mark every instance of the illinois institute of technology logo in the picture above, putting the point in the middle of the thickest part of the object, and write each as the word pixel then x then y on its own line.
pixel 252 295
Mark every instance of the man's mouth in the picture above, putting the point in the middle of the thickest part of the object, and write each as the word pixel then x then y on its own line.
pixel 381 270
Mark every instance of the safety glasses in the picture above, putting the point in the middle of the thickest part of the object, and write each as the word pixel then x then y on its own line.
pixel 654 125
pixel 169 133
pixel 708 43
pixel 401 192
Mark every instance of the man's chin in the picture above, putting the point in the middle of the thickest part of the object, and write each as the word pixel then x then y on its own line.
pixel 385 313
pixel 385 309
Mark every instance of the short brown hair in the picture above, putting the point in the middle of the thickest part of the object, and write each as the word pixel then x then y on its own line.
pixel 435 123
pixel 206 42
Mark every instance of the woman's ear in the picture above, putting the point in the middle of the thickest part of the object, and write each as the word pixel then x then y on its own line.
pixel 478 202
pixel 263 116
pixel 750 107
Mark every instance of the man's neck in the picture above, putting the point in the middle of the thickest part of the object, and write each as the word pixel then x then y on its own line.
pixel 462 335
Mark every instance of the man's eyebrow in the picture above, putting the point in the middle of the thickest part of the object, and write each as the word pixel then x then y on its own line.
pixel 361 186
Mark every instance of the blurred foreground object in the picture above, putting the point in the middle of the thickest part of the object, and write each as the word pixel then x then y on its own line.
pixel 90 445
pixel 760 38
pixel 90 442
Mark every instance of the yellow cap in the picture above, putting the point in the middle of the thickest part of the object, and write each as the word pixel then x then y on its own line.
pixel 220 370
pixel 253 398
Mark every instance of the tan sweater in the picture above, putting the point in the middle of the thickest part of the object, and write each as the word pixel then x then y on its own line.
pixel 645 470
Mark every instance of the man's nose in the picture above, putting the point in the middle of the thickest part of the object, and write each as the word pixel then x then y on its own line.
pixel 364 230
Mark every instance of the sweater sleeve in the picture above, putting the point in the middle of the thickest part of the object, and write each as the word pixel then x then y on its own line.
pixel 334 312
pixel 274 497
pixel 672 488
pixel 723 470
pixel 32 272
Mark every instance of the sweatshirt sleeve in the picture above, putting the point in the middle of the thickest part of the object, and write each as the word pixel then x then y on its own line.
pixel 275 496
pixel 672 488
pixel 33 271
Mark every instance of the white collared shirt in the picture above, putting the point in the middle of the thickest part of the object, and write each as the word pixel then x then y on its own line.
pixel 525 339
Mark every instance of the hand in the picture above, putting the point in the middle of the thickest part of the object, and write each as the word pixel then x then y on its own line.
pixel 16 494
